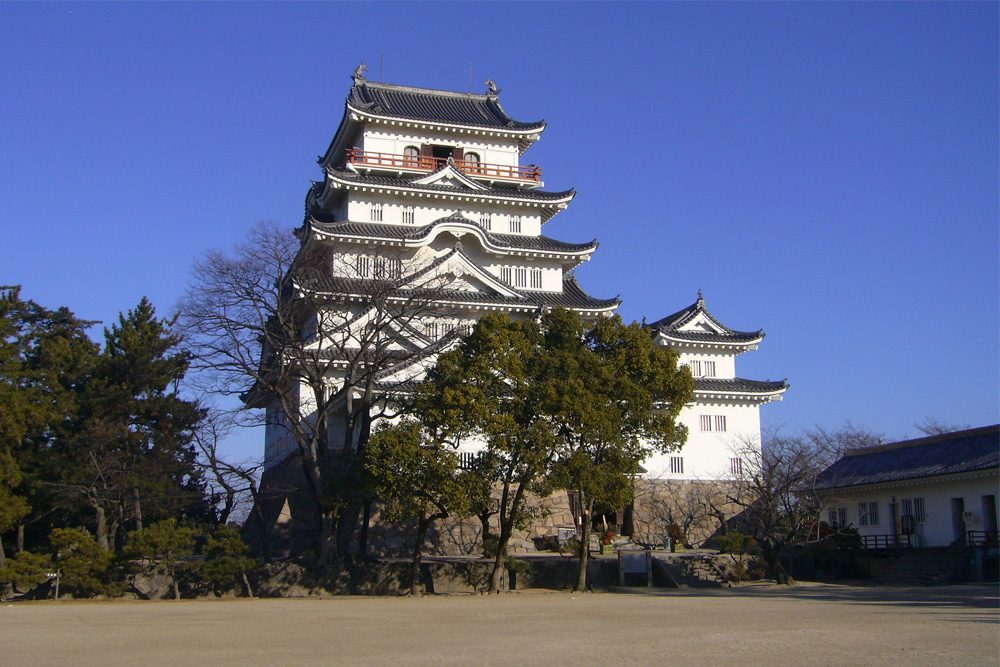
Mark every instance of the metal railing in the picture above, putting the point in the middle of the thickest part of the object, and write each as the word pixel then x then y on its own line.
pixel 982 538
pixel 886 541
pixel 428 163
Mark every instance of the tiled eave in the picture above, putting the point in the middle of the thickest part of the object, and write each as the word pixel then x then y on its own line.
pixel 575 256
pixel 703 396
pixel 517 197
pixel 912 481
pixel 726 346
pixel 524 137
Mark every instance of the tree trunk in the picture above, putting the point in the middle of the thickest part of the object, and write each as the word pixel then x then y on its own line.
pixel 326 538
pixel 496 577
pixel 3 556
pixel 246 584
pixel 20 537
pixel 776 569
pixel 116 538
pixel 227 508
pixel 177 590
pixel 265 532
pixel 137 508
pixel 366 518
pixel 102 527
pixel 581 578
pixel 418 548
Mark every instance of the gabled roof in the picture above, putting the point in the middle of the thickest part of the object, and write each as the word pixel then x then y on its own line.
pixel 410 235
pixel 348 177
pixel 672 326
pixel 969 451
pixel 501 297
pixel 434 106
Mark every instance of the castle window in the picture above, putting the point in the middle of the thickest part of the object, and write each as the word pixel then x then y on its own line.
pixel 706 422
pixel 736 466
pixel 387 268
pixel 484 221
pixel 515 224
pixel 695 369
pixel 431 330
pixel 375 214
pixel 720 422
pixel 837 518
pixel 709 369
pixel 472 163
pixel 521 277
pixel 408 215
pixel 411 155
pixel 868 514
pixel 677 465
pixel 505 274
pixel 363 264
pixel 536 278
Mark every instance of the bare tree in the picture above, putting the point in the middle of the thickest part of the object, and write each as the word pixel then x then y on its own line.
pixel 775 493
pixel 310 339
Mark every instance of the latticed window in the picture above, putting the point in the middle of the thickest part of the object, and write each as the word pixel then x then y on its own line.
pixel 536 278
pixel 706 422
pixel 515 224
pixel 484 221
pixel 521 277
pixel 709 369
pixel 364 266
pixel 505 274
pixel 720 422
pixel 736 466
pixel 411 155
pixel 408 215
pixel 431 330
pixel 466 460
pixel 868 514
pixel 695 367
pixel 677 465
pixel 376 213
pixel 837 518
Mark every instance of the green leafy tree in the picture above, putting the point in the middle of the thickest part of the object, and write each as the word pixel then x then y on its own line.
pixel 25 571
pixel 130 451
pixel 83 565
pixel 227 560
pixel 418 480
pixel 489 388
pixel 45 357
pixel 613 396
pixel 166 544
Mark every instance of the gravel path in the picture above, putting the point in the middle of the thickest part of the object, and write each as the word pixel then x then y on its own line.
pixel 805 624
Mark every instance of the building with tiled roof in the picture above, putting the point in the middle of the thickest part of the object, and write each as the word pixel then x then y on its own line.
pixel 723 421
pixel 934 491
pixel 425 204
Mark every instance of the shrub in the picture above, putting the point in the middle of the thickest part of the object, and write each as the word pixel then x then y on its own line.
pixel 227 560
pixel 26 570
pixel 84 567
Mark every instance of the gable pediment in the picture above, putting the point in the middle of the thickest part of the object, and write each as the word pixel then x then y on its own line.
pixel 450 175
pixel 701 324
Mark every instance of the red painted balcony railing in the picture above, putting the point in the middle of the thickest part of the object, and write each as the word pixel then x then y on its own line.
pixel 427 163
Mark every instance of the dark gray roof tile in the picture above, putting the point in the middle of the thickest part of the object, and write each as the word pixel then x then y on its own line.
pixel 950 453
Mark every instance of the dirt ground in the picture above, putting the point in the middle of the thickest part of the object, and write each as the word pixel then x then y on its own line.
pixel 753 625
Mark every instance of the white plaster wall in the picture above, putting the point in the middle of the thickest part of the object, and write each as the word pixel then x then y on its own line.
pixel 490 149
pixel 725 362
pixel 358 209
pixel 707 454
pixel 939 529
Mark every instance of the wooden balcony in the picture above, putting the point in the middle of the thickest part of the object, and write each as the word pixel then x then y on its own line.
pixel 427 163
pixel 886 541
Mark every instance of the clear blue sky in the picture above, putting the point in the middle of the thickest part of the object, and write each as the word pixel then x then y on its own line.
pixel 826 172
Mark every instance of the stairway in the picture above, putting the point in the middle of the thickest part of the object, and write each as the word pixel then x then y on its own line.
pixel 688 571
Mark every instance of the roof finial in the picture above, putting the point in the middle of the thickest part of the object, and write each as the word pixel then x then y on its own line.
pixel 491 88
pixel 359 73
pixel 700 297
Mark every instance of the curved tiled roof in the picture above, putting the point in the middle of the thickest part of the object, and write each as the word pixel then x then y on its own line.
pixel 410 233
pixel 351 177
pixel 739 385
pixel 670 326
pixel 434 106
pixel 572 295
pixel 960 452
